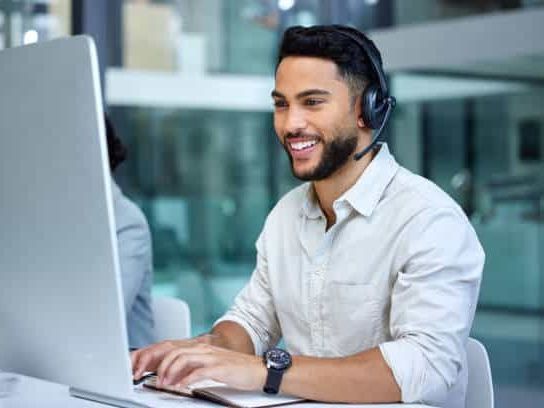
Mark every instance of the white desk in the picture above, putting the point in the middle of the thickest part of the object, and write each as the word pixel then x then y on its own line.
pixel 31 392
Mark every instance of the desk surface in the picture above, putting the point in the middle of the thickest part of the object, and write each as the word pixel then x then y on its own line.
pixel 31 392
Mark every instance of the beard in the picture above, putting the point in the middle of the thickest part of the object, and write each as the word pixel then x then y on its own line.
pixel 335 154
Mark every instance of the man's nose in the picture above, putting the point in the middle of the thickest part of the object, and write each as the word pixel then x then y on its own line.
pixel 295 121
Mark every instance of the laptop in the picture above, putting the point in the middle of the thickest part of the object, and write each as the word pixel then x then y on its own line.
pixel 61 309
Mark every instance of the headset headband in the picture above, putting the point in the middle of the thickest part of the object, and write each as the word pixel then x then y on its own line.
pixel 371 56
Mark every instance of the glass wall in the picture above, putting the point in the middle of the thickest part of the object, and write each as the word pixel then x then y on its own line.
pixel 368 14
pixel 206 182
pixel 487 152
pixel 205 176
pixel 423 11
pixel 27 21
pixel 200 36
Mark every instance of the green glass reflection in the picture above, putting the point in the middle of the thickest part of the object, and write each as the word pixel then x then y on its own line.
pixel 206 181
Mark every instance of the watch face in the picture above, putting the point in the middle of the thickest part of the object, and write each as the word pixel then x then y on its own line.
pixel 278 359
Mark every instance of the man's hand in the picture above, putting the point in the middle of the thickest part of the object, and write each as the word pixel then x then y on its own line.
pixel 189 364
pixel 149 358
pixel 183 362
pixel 228 347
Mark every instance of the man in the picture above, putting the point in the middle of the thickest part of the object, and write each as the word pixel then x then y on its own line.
pixel 135 254
pixel 369 273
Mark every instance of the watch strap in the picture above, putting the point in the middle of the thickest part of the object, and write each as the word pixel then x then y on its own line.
pixel 273 381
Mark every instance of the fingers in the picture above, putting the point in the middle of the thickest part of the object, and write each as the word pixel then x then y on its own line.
pixel 144 360
pixel 183 365
pixel 173 355
pixel 173 361
pixel 133 359
pixel 148 359
pixel 165 364
pixel 199 374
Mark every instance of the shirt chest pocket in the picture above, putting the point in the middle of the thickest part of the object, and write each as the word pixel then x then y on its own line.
pixel 355 318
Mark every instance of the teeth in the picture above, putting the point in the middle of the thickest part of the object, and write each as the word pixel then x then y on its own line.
pixel 303 145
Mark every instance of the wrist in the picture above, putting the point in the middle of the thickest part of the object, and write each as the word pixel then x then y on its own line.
pixel 211 339
pixel 277 362
pixel 260 375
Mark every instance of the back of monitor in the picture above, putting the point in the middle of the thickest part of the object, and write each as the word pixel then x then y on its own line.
pixel 61 312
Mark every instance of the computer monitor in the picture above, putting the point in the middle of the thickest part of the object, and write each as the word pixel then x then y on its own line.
pixel 61 310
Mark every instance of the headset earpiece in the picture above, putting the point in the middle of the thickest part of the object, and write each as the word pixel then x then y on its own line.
pixel 376 103
pixel 371 106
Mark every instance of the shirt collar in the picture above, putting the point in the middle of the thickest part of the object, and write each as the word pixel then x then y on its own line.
pixel 310 206
pixel 365 194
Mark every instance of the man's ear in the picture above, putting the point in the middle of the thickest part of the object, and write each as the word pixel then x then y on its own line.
pixel 361 123
pixel 359 112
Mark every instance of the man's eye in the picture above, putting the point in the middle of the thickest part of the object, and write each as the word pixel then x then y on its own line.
pixel 313 102
pixel 280 104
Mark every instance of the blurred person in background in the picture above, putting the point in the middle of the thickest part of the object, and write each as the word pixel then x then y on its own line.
pixel 135 253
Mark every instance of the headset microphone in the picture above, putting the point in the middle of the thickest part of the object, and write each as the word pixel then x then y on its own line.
pixel 390 103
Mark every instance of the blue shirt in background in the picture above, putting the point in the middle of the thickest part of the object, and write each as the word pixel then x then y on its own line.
pixel 135 259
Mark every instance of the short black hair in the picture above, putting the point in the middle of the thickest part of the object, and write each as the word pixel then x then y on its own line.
pixel 328 42
pixel 117 152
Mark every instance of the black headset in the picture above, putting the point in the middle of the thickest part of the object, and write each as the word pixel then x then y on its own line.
pixel 376 103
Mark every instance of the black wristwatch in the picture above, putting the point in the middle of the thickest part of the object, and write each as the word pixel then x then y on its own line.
pixel 277 361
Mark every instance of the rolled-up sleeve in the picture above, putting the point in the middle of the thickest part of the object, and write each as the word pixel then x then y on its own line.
pixel 253 308
pixel 433 303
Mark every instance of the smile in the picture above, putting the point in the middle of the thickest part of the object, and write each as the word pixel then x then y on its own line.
pixel 298 146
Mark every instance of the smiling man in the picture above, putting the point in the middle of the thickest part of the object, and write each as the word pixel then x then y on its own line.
pixel 369 273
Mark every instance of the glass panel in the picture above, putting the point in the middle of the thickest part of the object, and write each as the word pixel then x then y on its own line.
pixel 420 11
pixel 200 36
pixel 206 182
pixel 206 179
pixel 370 14
pixel 487 152
pixel 26 21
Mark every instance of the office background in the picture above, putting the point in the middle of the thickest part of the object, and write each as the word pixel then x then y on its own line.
pixel 187 85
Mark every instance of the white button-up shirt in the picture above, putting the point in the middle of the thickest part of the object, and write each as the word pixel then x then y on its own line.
pixel 399 270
